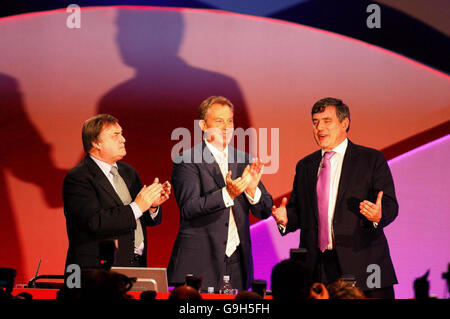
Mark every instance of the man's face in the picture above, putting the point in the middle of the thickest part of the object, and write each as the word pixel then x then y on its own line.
pixel 218 125
pixel 328 131
pixel 111 143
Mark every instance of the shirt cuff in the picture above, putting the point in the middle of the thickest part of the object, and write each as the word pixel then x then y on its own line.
pixel 227 198
pixel 281 228
pixel 136 210
pixel 256 198
pixel 139 250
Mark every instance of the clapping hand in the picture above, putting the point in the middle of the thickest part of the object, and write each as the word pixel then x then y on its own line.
pixel 153 195
pixel 237 186
pixel 164 194
pixel 254 173
pixel 148 195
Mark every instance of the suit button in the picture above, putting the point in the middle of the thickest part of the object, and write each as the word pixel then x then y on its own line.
pixel 226 224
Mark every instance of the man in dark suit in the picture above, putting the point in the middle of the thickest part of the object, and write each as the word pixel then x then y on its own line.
pixel 342 198
pixel 104 200
pixel 215 187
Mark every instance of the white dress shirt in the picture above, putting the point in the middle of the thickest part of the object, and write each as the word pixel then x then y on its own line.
pixel 106 169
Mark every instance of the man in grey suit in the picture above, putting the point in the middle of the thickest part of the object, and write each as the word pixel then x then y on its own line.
pixel 215 187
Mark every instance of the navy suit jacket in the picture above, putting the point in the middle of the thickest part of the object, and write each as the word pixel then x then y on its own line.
pixel 94 212
pixel 201 241
pixel 358 243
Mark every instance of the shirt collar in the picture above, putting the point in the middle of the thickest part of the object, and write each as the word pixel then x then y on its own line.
pixel 215 152
pixel 105 167
pixel 340 149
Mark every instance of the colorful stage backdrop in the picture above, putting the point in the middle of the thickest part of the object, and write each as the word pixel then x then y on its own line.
pixel 151 67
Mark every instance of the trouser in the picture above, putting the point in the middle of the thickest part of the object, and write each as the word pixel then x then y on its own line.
pixel 138 261
pixel 234 269
pixel 327 269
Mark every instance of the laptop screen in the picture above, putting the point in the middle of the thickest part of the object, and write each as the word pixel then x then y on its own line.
pixel 146 278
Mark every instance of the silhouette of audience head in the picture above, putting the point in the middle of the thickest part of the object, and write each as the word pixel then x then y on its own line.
pixel 291 279
pixel 194 281
pixel 248 295
pixel 341 289
pixel 104 284
pixel 7 277
pixel 259 286
pixel 422 287
pixel 185 292
pixel 148 295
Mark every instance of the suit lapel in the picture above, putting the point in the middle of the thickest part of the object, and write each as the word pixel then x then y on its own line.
pixel 348 167
pixel 210 164
pixel 101 179
pixel 312 171
pixel 217 175
pixel 233 162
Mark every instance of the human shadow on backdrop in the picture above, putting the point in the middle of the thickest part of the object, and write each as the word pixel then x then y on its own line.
pixel 27 156
pixel 164 94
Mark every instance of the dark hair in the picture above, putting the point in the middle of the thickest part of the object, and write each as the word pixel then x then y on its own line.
pixel 342 110
pixel 291 279
pixel 185 292
pixel 206 104
pixel 340 289
pixel 104 284
pixel 248 295
pixel 92 128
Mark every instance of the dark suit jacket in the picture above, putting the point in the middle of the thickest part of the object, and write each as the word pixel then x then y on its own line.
pixel 94 212
pixel 358 243
pixel 200 244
